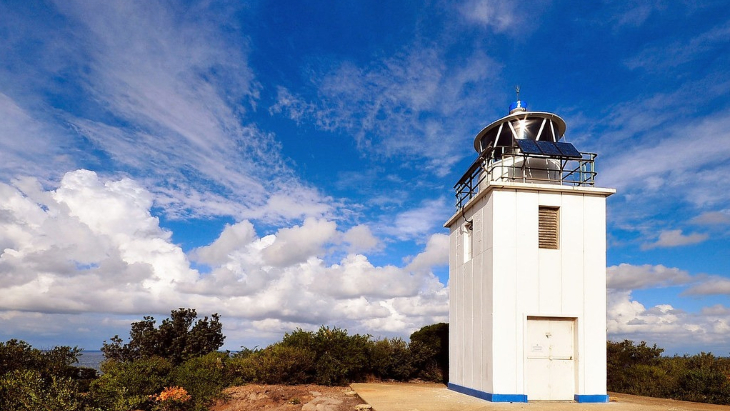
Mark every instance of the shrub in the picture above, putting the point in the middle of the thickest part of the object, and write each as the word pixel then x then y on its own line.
pixel 29 390
pixel 128 385
pixel 391 359
pixel 703 386
pixel 35 379
pixel 340 358
pixel 203 378
pixel 288 365
pixel 430 352
pixel 641 370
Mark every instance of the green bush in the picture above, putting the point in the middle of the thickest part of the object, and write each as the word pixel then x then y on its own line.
pixel 391 359
pixel 430 352
pixel 331 356
pixel 29 390
pixel 277 364
pixel 641 370
pixel 128 385
pixel 704 378
pixel 204 378
pixel 33 379
pixel 341 358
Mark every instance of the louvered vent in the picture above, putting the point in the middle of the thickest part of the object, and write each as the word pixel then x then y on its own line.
pixel 548 227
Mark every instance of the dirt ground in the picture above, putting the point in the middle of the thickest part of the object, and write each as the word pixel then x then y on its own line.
pixel 654 403
pixel 254 397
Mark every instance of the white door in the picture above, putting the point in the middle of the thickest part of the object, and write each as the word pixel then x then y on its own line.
pixel 550 359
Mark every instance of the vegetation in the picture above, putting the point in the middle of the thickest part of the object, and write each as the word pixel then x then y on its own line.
pixel 176 366
pixel 31 379
pixel 430 352
pixel 178 356
pixel 641 370
pixel 178 338
pixel 332 357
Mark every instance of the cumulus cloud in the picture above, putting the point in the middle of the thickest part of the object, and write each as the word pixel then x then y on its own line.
pixel 92 246
pixel 296 244
pixel 675 238
pixel 670 328
pixel 232 238
pixel 359 239
pixel 435 254
pixel 86 235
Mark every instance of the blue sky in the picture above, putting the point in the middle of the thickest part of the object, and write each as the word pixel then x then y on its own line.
pixel 290 164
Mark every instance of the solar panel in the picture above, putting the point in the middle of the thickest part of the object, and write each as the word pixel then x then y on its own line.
pixel 568 150
pixel 528 147
pixel 549 149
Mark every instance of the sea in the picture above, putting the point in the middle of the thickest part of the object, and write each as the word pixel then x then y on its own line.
pixel 90 359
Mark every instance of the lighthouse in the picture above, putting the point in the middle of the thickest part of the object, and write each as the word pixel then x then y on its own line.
pixel 527 267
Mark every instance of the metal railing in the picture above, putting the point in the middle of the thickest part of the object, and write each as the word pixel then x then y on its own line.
pixel 508 164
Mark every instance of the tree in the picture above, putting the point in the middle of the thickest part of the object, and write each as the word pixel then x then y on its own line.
pixel 630 366
pixel 33 379
pixel 430 352
pixel 58 361
pixel 177 339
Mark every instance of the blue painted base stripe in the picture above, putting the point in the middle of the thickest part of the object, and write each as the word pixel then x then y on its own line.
pixel 591 398
pixel 488 396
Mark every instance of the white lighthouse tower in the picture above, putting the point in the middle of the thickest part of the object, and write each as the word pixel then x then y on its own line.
pixel 527 267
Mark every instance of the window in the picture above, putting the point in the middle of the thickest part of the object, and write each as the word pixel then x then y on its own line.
pixel 548 227
pixel 468 242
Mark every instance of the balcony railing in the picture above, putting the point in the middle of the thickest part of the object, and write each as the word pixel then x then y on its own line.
pixel 508 164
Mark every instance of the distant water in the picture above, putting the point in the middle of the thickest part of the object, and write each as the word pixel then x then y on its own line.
pixel 91 359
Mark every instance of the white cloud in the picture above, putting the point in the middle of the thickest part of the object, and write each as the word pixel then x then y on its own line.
pixel 712 218
pixel 232 238
pixel 669 152
pixel 632 277
pixel 712 285
pixel 675 238
pixel 499 15
pixel 717 309
pixel 27 144
pixel 656 58
pixel 360 239
pixel 673 329
pixel 92 246
pixel 417 222
pixel 662 171
pixel 411 104
pixel 435 254
pixel 166 95
pixel 296 244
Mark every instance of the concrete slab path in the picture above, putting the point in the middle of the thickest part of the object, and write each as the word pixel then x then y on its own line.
pixel 436 397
